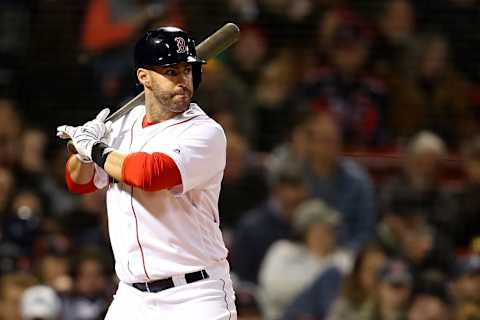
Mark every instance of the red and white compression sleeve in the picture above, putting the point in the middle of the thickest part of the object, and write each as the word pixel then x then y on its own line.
pixel 150 172
pixel 77 187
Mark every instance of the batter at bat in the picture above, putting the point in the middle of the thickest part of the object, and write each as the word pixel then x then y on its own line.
pixel 162 164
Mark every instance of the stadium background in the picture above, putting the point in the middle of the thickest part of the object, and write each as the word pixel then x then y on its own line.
pixel 399 79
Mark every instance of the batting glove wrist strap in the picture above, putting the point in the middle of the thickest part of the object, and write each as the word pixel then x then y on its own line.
pixel 100 152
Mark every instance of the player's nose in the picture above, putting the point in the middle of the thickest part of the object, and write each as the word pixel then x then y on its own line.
pixel 183 80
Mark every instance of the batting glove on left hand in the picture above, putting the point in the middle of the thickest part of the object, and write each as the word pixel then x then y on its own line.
pixel 86 136
pixel 99 127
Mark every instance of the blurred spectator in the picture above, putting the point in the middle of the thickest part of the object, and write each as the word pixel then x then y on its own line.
pixel 425 249
pixel 428 307
pixel 417 190
pixel 312 251
pixel 31 166
pixel 468 218
pixel 467 311
pixel 394 290
pixel 417 214
pixel 288 23
pixel 53 270
pixel 359 288
pixel 10 130
pixel 466 285
pixel 54 240
pixel 431 300
pixel 316 300
pixel 60 201
pixel 244 184
pixel 12 259
pixel 341 183
pixel 87 226
pixel 389 301
pixel 88 299
pixel 223 92
pixel 344 86
pixel 273 94
pixel 40 303
pixel 33 150
pixel 112 24
pixel 271 221
pixel 54 88
pixel 458 20
pixel 7 187
pixel 12 287
pixel 246 300
pixel 294 149
pixel 396 24
pixel 337 14
pixel 245 10
pixel 249 54
pixel 226 119
pixel 430 94
pixel 287 9
pixel 21 225
pixel 107 33
pixel 324 31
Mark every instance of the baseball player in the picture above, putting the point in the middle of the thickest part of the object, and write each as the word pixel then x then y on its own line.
pixel 162 164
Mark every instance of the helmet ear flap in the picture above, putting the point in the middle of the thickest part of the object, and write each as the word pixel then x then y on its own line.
pixel 196 75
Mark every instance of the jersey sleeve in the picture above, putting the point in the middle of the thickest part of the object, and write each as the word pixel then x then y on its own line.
pixel 200 154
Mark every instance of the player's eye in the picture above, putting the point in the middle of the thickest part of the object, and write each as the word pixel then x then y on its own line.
pixel 170 72
pixel 188 70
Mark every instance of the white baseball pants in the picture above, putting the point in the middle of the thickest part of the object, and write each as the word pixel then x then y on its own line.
pixel 209 299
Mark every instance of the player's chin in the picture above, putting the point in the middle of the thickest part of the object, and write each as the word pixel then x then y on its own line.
pixel 180 104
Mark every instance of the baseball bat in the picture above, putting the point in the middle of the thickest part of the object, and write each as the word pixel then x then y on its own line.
pixel 208 48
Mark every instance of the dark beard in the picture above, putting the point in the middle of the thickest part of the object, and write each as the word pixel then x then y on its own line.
pixel 166 100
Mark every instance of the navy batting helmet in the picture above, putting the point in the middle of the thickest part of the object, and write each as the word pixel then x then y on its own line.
pixel 166 46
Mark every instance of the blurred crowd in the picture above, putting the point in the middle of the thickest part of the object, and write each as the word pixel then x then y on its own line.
pixel 352 186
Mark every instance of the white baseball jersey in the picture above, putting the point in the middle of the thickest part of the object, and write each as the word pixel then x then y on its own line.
pixel 159 234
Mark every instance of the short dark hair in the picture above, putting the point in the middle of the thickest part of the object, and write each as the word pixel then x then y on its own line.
pixel 432 283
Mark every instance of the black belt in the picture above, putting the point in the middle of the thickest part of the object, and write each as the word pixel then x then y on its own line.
pixel 164 284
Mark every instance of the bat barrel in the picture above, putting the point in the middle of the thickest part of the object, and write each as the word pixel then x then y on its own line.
pixel 219 41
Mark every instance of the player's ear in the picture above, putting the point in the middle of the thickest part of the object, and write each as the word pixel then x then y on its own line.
pixel 143 77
